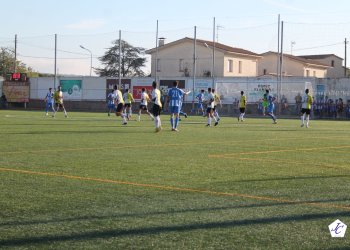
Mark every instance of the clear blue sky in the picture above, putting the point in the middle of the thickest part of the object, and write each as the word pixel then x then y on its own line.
pixel 314 26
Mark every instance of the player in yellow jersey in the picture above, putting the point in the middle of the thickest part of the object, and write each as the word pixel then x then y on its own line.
pixel 58 96
pixel 217 101
pixel 306 108
pixel 128 100
pixel 157 106
pixel 242 106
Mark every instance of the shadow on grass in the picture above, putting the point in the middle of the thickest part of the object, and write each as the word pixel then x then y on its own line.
pixel 155 213
pixel 98 234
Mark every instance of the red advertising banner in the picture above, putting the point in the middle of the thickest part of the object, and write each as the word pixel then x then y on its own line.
pixel 137 90
pixel 16 91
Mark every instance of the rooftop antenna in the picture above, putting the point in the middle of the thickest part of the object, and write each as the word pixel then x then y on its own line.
pixel 218 27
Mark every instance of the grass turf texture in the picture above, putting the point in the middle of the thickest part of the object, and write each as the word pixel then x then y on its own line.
pixel 88 182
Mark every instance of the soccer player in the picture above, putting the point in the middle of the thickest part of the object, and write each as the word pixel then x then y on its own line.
pixel 120 104
pixel 210 108
pixel 271 106
pixel 128 99
pixel 200 98
pixel 143 104
pixel 157 107
pixel 110 103
pixel 175 96
pixel 49 100
pixel 217 101
pixel 265 103
pixel 306 108
pixel 242 106
pixel 59 101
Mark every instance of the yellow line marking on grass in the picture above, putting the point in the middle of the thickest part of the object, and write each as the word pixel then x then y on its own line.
pixel 171 188
pixel 274 151
pixel 163 145
pixel 338 167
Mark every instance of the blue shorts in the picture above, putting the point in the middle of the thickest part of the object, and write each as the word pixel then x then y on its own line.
pixel 200 106
pixel 174 109
pixel 111 106
pixel 49 105
pixel 270 108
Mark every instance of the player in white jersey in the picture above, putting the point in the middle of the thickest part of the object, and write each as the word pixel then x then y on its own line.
pixel 306 108
pixel 143 104
pixel 210 108
pixel 157 106
pixel 120 104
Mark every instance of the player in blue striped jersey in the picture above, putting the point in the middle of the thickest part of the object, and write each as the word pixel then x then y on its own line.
pixel 49 99
pixel 174 97
pixel 270 106
pixel 200 98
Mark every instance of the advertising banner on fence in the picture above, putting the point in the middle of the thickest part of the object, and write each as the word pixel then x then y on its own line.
pixel 16 91
pixel 71 89
pixel 110 83
pixel 199 85
pixel 137 90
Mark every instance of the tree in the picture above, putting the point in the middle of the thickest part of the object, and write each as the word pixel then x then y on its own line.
pixel 7 58
pixel 131 60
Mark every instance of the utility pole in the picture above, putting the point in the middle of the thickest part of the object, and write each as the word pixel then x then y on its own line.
pixel 120 60
pixel 55 70
pixel 278 48
pixel 15 62
pixel 156 60
pixel 194 64
pixel 345 57
pixel 213 63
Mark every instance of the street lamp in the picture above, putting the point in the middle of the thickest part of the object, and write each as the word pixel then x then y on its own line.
pixel 81 46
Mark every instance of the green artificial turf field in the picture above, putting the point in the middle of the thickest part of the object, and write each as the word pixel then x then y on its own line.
pixel 88 182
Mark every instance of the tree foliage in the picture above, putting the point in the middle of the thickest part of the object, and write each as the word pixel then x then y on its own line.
pixel 7 65
pixel 132 60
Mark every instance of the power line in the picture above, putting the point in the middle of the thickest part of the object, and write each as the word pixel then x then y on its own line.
pixel 317 47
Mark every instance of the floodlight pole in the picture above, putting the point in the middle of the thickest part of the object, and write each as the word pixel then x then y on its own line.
pixel 120 59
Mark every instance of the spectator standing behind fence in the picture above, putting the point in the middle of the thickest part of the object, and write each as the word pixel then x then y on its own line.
pixel 284 102
pixel 298 100
pixel 3 101
pixel 340 107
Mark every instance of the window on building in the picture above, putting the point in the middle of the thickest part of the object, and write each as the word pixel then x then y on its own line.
pixel 307 73
pixel 265 71
pixel 230 66
pixel 332 63
pixel 181 65
pixel 240 67
pixel 158 65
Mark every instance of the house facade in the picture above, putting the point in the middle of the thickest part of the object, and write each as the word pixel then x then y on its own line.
pixel 175 59
pixel 291 66
pixel 335 63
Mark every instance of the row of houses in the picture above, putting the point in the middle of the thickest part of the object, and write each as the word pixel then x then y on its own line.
pixel 175 59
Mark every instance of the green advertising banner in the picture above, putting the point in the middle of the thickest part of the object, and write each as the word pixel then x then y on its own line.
pixel 71 89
